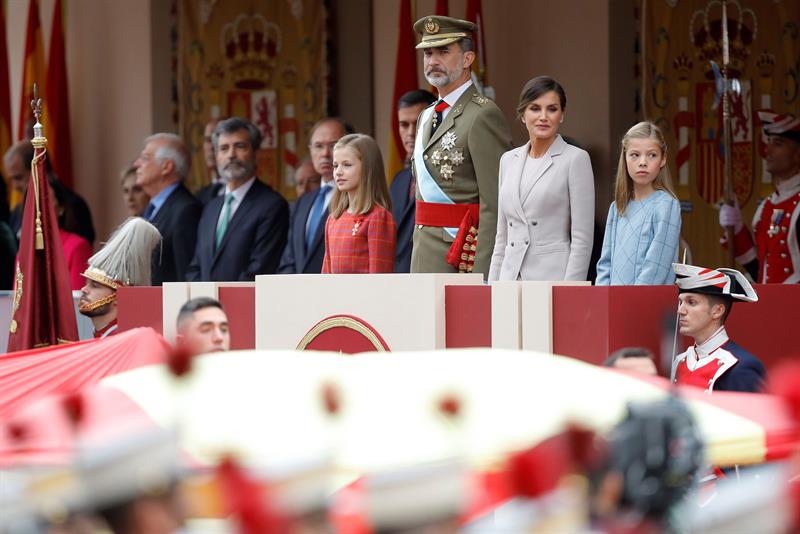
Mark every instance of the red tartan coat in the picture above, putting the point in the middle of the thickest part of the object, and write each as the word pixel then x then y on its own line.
pixel 360 243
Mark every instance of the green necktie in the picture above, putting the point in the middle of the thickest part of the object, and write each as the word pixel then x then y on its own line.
pixel 226 216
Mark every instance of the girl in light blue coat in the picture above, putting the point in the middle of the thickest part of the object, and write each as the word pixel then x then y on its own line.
pixel 644 221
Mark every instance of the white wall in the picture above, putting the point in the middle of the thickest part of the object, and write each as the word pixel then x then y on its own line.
pixel 109 69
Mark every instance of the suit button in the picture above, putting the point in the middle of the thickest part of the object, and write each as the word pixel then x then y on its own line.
pixel 511 224
pixel 719 362
pixel 512 244
pixel 783 242
pixel 783 255
pixel 534 223
pixel 526 242
pixel 425 156
pixel 786 269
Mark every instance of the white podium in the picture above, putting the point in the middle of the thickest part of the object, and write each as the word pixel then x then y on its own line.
pixel 522 314
pixel 407 311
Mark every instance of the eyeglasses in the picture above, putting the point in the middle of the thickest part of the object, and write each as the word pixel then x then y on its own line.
pixel 319 147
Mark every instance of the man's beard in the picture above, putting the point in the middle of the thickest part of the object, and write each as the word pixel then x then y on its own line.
pixel 97 312
pixel 236 170
pixel 444 78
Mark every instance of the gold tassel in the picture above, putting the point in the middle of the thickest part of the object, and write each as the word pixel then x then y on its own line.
pixel 38 142
pixel 39 236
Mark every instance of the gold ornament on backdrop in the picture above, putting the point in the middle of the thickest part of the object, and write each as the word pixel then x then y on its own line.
pixel 262 61
pixel 679 40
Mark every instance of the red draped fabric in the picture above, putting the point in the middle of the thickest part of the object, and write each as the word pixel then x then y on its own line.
pixel 32 374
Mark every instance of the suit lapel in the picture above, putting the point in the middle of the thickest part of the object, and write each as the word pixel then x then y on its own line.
pixel 215 206
pixel 526 185
pixel 426 128
pixel 161 215
pixel 319 236
pixel 410 204
pixel 241 213
pixel 515 174
pixel 299 230
pixel 547 161
pixel 450 120
pixel 404 202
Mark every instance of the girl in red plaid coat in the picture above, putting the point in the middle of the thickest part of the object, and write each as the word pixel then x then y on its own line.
pixel 360 233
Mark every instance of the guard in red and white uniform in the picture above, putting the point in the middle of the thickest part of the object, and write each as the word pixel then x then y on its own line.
pixel 714 362
pixel 772 253
pixel 124 261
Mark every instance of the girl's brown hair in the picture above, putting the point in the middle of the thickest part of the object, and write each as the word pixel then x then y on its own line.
pixel 623 191
pixel 373 188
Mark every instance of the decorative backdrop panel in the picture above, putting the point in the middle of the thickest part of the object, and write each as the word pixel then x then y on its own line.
pixel 678 39
pixel 263 61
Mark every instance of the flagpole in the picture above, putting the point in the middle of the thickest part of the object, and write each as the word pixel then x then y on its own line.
pixel 726 129
pixel 40 148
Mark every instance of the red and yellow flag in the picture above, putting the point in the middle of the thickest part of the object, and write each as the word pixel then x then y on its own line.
pixel 33 72
pixel 405 79
pixel 42 310
pixel 57 101
pixel 5 95
pixel 475 15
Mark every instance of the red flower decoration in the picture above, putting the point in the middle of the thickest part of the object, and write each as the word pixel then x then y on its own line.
pixel 179 361
pixel 74 407
pixel 331 399
pixel 17 431
pixel 450 406
pixel 248 500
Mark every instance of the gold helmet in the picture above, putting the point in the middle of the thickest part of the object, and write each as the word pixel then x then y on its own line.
pixel 125 259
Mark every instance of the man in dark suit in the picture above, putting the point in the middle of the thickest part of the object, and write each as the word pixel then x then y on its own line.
pixel 305 179
pixel 242 233
pixel 215 186
pixel 4 209
pixel 404 187
pixel 161 169
pixel 77 217
pixel 306 245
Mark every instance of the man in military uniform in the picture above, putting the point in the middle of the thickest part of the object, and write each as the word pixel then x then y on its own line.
pixel 456 157
pixel 772 253
pixel 123 261
pixel 714 362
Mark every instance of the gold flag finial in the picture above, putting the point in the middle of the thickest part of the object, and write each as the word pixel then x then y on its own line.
pixel 36 106
pixel 40 144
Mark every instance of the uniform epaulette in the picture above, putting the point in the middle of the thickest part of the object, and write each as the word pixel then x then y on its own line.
pixel 480 99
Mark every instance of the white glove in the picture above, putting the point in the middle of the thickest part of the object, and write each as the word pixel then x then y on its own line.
pixel 730 216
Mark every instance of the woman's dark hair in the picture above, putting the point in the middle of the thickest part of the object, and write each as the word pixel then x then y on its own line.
pixel 536 87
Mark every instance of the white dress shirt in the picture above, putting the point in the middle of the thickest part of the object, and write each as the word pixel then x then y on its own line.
pixel 238 195
pixel 453 97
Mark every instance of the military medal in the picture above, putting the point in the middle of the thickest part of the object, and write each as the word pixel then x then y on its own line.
pixel 775 224
pixel 357 225
pixel 447 158
pixel 449 141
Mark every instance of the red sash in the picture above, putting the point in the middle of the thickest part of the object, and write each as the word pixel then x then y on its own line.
pixel 465 217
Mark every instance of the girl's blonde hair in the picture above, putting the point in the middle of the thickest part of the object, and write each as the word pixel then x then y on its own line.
pixel 623 192
pixel 373 188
